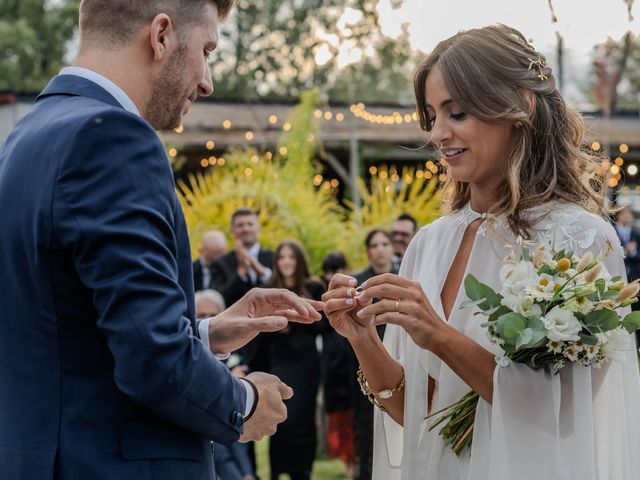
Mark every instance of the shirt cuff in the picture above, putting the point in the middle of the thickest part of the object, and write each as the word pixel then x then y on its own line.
pixel 203 331
pixel 266 276
pixel 250 397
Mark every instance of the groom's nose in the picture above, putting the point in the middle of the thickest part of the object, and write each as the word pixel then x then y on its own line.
pixel 205 87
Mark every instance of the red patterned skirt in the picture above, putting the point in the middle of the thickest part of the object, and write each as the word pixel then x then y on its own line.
pixel 340 436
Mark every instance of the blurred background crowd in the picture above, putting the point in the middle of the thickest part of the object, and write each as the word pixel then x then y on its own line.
pixel 327 415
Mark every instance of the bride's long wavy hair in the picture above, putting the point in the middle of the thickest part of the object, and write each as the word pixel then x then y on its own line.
pixel 491 72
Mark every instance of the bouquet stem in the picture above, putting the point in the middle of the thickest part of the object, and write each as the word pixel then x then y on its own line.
pixel 458 431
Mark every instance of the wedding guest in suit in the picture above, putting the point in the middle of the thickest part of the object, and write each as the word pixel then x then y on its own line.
pixel 292 355
pixel 232 462
pixel 104 371
pixel 248 264
pixel 403 229
pixel 629 238
pixel 213 246
pixel 337 383
pixel 379 245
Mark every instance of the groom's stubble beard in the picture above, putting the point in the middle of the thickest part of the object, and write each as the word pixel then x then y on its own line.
pixel 168 96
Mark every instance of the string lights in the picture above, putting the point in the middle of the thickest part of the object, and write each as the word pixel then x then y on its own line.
pixel 360 111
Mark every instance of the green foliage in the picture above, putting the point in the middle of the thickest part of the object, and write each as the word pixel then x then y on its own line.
pixel 33 38
pixel 382 201
pixel 281 189
pixel 276 49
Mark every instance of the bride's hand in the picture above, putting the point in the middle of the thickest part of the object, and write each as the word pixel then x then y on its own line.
pixel 404 303
pixel 341 308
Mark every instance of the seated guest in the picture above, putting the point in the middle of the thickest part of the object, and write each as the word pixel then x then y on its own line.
pixel 213 246
pixel 231 461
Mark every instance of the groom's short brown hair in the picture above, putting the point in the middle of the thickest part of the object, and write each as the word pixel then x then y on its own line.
pixel 113 22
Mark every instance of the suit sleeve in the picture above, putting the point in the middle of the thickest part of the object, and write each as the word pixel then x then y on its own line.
pixel 114 209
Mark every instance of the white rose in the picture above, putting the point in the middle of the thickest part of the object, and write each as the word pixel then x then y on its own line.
pixel 615 344
pixel 561 325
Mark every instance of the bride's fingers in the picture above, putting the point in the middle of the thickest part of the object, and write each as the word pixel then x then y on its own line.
pixel 338 305
pixel 341 280
pixel 384 306
pixel 388 278
pixel 388 291
pixel 343 292
pixel 394 318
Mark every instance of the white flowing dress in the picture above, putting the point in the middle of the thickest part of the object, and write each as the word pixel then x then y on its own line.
pixel 582 424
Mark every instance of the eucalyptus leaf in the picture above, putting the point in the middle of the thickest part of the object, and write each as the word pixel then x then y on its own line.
pixel 545 269
pixel 523 338
pixel 588 339
pixel 510 325
pixel 471 303
pixel 601 321
pixel 631 322
pixel 476 290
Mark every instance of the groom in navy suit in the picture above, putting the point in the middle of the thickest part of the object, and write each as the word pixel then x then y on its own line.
pixel 104 373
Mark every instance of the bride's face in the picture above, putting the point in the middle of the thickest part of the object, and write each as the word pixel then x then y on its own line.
pixel 475 151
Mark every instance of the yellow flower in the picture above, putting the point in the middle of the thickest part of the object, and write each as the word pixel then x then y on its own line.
pixel 563 264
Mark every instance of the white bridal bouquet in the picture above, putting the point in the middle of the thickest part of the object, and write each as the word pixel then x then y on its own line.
pixel 554 308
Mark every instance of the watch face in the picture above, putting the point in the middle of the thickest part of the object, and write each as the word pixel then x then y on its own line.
pixel 385 394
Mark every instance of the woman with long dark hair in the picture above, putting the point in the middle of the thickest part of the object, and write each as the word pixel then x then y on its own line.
pixel 292 355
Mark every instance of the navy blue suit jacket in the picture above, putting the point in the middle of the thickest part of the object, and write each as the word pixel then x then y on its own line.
pixel 101 373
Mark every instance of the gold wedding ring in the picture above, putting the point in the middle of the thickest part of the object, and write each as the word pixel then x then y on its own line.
pixel 397 305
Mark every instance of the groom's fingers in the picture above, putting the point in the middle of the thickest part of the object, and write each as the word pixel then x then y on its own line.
pixel 281 298
pixel 293 316
pixel 270 324
pixel 288 299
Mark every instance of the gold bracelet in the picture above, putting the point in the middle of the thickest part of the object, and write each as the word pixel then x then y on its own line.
pixel 383 394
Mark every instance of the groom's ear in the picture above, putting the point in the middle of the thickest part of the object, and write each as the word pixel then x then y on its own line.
pixel 162 36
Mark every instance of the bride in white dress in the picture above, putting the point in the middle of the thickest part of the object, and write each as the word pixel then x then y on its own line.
pixel 515 169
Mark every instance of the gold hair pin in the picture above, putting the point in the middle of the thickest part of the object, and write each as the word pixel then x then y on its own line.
pixel 540 64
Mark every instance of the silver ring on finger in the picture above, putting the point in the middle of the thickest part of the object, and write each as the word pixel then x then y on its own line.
pixel 397 305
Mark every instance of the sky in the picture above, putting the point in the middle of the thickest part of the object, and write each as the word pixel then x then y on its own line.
pixel 582 24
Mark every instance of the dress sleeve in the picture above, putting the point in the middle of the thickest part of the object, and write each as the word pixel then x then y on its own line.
pixel 389 435
pixel 582 423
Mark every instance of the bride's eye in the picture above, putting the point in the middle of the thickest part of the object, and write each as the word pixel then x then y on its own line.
pixel 458 116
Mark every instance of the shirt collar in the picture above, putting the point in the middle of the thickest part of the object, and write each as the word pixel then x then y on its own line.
pixel 117 93
pixel 254 250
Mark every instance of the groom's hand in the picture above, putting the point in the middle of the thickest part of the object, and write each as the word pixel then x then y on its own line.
pixel 270 409
pixel 260 310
